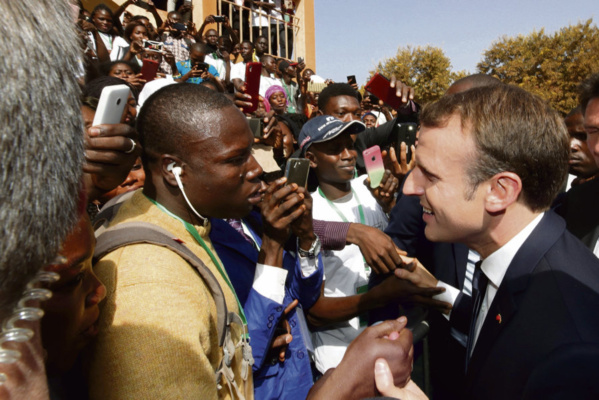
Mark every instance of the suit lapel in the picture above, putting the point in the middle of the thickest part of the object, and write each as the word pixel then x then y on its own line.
pixel 512 288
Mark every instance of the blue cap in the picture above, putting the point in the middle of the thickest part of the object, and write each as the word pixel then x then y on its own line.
pixel 324 128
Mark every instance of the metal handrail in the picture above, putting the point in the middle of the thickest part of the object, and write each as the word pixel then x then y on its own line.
pixel 294 23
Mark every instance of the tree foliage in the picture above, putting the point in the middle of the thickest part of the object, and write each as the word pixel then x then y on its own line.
pixel 426 69
pixel 550 65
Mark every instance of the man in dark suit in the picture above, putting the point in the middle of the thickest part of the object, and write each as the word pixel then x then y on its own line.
pixel 489 163
pixel 579 205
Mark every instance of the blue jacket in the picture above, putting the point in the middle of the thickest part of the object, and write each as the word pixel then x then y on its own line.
pixel 291 379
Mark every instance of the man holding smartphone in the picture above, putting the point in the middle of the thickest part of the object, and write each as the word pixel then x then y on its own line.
pixel 195 70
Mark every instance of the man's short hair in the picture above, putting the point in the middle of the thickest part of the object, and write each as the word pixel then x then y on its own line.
pixel 201 47
pixel 513 130
pixel 174 114
pixel 41 139
pixel 265 57
pixel 477 80
pixel 102 7
pixel 335 90
pixel 248 42
pixel 588 90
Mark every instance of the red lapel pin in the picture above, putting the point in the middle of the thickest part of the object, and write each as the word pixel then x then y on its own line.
pixel 498 318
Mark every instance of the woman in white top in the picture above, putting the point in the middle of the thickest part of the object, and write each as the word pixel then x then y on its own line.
pixel 135 32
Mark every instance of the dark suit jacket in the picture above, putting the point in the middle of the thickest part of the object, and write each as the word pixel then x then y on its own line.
pixel 580 208
pixel 542 324
pixel 447 261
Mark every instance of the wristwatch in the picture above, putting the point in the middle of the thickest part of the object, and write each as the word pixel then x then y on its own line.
pixel 313 251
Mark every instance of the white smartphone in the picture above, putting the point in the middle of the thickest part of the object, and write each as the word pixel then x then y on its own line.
pixel 111 104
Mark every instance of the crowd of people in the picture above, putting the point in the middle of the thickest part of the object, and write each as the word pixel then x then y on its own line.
pixel 176 255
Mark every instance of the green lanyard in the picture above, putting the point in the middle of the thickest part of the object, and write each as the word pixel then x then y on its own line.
pixel 338 211
pixel 194 232
pixel 290 108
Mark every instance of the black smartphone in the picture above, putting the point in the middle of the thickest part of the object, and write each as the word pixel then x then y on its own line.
pixel 296 171
pixel 351 79
pixel 404 132
pixel 201 66
pixel 256 126
pixel 219 18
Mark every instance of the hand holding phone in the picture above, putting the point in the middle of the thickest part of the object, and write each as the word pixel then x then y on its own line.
pixel 373 161
pixel 296 171
pixel 387 90
pixel 253 71
pixel 111 105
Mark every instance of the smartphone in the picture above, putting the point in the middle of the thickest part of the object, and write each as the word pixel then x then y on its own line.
pixel 149 69
pixel 373 161
pixel 256 126
pixel 111 105
pixel 296 171
pixel 179 26
pixel 253 70
pixel 153 46
pixel 143 4
pixel 381 88
pixel 351 79
pixel 202 66
pixel 219 18
pixel 404 132
pixel 300 60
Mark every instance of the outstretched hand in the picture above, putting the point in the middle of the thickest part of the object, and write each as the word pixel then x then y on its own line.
pixel 399 168
pixel 405 92
pixel 379 251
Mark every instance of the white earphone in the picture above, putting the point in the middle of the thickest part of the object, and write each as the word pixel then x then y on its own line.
pixel 176 170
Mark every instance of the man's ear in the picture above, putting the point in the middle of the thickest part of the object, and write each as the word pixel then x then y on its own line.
pixel 168 166
pixel 312 158
pixel 504 190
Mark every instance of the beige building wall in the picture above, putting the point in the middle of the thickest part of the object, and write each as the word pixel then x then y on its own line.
pixel 305 39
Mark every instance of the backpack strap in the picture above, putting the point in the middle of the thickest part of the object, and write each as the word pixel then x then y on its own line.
pixel 108 211
pixel 142 232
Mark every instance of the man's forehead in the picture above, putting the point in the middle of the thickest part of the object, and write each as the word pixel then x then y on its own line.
pixel 343 100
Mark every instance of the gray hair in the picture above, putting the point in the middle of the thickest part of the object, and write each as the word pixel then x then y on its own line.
pixel 41 138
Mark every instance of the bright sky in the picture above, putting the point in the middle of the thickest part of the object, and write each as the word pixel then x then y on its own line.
pixel 352 36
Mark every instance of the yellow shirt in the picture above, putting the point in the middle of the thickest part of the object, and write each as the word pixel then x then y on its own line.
pixel 158 324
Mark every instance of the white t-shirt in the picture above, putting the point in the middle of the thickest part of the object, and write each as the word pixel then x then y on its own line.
pixel 265 83
pixel 238 71
pixel 344 270
pixel 218 64
pixel 120 47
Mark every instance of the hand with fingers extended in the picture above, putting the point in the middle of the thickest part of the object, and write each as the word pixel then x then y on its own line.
pixel 379 251
pixel 110 152
pixel 136 81
pixel 272 135
pixel 403 291
pixel 354 377
pixel 405 92
pixel 303 227
pixel 415 272
pixel 384 193
pixel 399 168
pixel 282 337
pixel 281 205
